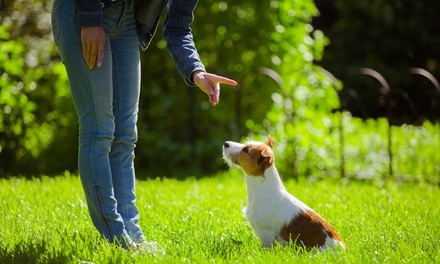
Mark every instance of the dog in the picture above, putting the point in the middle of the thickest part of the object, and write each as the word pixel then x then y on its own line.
pixel 276 216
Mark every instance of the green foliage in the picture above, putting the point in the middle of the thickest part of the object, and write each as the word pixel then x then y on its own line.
pixel 176 123
pixel 33 100
pixel 306 122
pixel 200 221
pixel 232 38
pixel 270 48
pixel 15 105
pixel 299 118
pixel 259 49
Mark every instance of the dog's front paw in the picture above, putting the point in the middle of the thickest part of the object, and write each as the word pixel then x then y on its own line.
pixel 244 211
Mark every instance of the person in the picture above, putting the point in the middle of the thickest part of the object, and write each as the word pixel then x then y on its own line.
pixel 98 42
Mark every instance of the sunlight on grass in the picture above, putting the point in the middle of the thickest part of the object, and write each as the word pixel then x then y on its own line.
pixel 200 221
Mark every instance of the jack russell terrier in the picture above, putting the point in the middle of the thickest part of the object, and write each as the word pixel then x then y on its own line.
pixel 275 215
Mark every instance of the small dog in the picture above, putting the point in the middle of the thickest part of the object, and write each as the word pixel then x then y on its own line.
pixel 275 215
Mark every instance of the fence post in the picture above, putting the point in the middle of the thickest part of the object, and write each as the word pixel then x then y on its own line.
pixel 387 92
pixel 436 84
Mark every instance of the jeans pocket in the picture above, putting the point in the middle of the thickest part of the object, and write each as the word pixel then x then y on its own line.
pixel 56 19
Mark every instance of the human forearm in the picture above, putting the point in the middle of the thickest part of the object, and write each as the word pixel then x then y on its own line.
pixel 180 43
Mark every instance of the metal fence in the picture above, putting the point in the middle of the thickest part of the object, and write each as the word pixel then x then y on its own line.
pixel 388 95
pixel 389 99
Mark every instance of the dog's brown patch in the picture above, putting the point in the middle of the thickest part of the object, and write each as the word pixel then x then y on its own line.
pixel 255 159
pixel 309 230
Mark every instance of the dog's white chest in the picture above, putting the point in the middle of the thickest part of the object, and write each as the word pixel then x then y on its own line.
pixel 270 206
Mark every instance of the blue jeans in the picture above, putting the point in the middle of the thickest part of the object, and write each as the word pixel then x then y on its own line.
pixel 106 100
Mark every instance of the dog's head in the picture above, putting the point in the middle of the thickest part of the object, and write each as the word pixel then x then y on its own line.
pixel 252 157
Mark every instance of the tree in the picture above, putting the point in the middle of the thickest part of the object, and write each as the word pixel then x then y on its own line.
pixel 179 132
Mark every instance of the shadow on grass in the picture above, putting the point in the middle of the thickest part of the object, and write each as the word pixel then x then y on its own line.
pixel 31 252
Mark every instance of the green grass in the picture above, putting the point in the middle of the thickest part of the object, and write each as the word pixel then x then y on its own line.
pixel 200 221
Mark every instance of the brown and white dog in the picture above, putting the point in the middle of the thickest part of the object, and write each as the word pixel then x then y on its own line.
pixel 275 215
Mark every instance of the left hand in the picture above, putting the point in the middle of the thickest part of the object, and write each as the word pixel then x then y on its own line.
pixel 210 84
pixel 93 45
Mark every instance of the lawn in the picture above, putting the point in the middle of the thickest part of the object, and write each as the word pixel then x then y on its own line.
pixel 200 221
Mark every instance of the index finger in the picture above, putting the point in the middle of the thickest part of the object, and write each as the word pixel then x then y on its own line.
pixel 224 80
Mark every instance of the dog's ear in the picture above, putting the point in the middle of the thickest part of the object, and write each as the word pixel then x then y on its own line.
pixel 266 158
pixel 270 142
pixel 266 153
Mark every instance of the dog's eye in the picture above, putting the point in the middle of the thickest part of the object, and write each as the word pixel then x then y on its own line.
pixel 245 149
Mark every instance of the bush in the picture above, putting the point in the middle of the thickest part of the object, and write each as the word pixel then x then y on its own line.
pixel 179 132
pixel 35 105
pixel 245 40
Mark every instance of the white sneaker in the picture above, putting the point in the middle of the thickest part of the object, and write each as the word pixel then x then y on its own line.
pixel 149 247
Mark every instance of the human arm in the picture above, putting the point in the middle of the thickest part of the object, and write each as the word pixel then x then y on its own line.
pixel 180 44
pixel 178 36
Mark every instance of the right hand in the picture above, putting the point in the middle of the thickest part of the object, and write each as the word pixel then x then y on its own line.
pixel 210 84
pixel 93 45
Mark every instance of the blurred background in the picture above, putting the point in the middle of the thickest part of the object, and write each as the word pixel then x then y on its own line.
pixel 347 89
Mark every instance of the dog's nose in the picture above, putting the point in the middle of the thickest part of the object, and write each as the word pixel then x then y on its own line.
pixel 226 145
